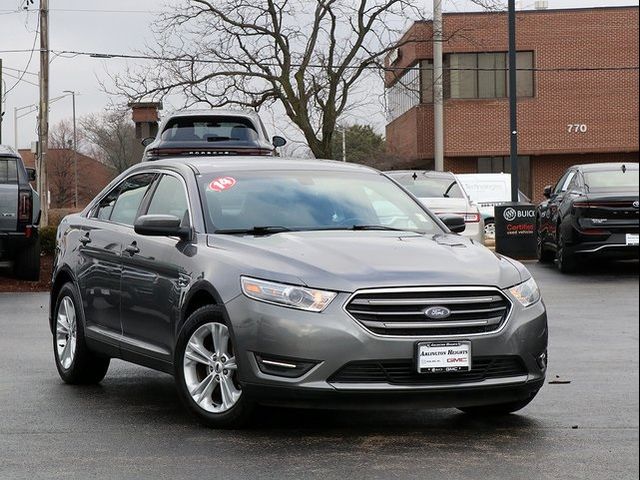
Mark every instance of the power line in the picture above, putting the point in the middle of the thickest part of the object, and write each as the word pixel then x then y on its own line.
pixel 26 68
pixel 80 10
pixel 18 70
pixel 371 67
pixel 19 79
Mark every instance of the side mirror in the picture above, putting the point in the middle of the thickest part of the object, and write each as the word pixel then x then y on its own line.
pixel 31 174
pixel 161 226
pixel 548 190
pixel 147 141
pixel 278 141
pixel 455 223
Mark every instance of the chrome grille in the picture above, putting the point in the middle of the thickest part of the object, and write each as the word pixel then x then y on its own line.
pixel 403 312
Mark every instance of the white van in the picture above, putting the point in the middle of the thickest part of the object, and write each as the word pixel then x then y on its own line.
pixel 489 190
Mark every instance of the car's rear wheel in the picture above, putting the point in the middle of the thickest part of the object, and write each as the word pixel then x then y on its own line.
pixel 27 262
pixel 207 371
pixel 76 364
pixel 490 230
pixel 499 408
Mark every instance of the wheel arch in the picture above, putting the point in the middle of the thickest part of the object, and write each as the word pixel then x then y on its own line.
pixel 200 295
pixel 63 276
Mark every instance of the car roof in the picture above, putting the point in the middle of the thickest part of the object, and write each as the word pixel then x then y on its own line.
pixel 211 111
pixel 217 164
pixel 598 167
pixel 427 173
pixel 8 151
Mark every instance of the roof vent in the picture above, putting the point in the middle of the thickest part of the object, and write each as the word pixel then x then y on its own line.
pixel 541 4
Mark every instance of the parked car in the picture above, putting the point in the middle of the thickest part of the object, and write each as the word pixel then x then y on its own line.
pixel 442 193
pixel 291 282
pixel 19 216
pixel 210 132
pixel 489 190
pixel 592 212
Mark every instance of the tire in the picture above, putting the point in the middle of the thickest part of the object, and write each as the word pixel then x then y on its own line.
pixel 565 261
pixel 544 255
pixel 27 263
pixel 490 229
pixel 207 375
pixel 499 408
pixel 76 364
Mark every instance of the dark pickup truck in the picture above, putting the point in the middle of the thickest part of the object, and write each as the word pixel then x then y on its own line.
pixel 19 216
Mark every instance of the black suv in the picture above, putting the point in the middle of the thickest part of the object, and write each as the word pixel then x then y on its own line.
pixel 19 216
pixel 591 212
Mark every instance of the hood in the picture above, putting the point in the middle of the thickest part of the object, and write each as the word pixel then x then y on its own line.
pixel 347 261
pixel 445 205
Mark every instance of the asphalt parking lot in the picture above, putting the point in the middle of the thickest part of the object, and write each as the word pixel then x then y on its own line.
pixel 132 425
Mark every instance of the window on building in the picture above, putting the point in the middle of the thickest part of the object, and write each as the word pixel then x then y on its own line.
pixel 403 95
pixel 503 165
pixel 484 75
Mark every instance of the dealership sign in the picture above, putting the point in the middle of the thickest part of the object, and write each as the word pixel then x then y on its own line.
pixel 515 230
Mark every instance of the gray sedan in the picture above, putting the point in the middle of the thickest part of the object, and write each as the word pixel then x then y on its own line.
pixel 291 282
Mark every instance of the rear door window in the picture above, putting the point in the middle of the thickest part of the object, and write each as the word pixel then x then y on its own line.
pixel 8 170
pixel 122 206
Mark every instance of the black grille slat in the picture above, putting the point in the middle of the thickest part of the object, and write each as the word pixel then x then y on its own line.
pixel 403 312
pixel 403 372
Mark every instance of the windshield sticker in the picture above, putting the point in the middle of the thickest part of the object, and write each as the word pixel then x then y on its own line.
pixel 222 183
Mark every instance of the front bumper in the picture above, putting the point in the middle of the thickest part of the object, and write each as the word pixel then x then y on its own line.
pixel 332 339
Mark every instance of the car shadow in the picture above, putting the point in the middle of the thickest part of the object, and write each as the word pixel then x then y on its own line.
pixel 142 397
pixel 599 268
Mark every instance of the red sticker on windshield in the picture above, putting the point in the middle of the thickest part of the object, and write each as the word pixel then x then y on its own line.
pixel 222 183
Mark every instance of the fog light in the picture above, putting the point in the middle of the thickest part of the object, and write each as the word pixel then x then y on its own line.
pixel 283 366
pixel 542 360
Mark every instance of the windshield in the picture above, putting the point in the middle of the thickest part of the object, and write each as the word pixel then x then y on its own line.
pixel 209 129
pixel 309 200
pixel 423 186
pixel 619 179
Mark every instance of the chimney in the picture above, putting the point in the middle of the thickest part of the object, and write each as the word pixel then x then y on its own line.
pixel 541 4
pixel 145 115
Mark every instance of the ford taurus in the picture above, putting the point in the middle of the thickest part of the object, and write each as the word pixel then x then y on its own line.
pixel 291 282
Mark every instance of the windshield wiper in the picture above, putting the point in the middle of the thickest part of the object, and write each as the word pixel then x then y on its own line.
pixel 377 227
pixel 257 230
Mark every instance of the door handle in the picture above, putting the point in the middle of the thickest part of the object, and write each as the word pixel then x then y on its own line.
pixel 132 249
pixel 85 240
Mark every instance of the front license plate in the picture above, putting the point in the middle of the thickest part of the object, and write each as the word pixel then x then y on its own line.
pixel 633 239
pixel 439 357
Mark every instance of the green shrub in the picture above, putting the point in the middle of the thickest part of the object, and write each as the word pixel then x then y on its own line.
pixel 48 240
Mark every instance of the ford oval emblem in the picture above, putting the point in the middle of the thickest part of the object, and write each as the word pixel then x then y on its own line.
pixel 437 313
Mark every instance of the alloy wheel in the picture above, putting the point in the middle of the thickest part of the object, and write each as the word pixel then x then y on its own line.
pixel 66 332
pixel 490 230
pixel 210 369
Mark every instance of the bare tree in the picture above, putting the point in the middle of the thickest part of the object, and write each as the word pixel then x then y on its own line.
pixel 306 55
pixel 111 139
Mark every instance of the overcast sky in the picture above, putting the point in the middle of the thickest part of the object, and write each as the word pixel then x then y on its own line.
pixel 124 28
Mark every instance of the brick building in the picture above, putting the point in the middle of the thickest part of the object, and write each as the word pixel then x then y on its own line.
pixel 93 176
pixel 577 89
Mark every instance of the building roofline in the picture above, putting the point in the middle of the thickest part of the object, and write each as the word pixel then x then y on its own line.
pixel 531 11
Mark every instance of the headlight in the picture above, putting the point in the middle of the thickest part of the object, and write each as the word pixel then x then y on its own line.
pixel 527 292
pixel 287 295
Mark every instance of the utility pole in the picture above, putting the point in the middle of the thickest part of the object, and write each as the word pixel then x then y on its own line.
pixel 438 94
pixel 344 144
pixel 75 146
pixel 43 117
pixel 513 103
pixel 1 97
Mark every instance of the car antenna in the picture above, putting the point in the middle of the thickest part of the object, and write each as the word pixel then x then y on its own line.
pixel 624 168
pixel 414 176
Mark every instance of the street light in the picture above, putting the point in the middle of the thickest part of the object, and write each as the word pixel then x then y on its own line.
pixel 16 117
pixel 75 146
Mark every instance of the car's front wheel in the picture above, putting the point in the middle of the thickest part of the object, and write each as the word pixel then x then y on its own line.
pixel 499 408
pixel 207 371
pixel 76 364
